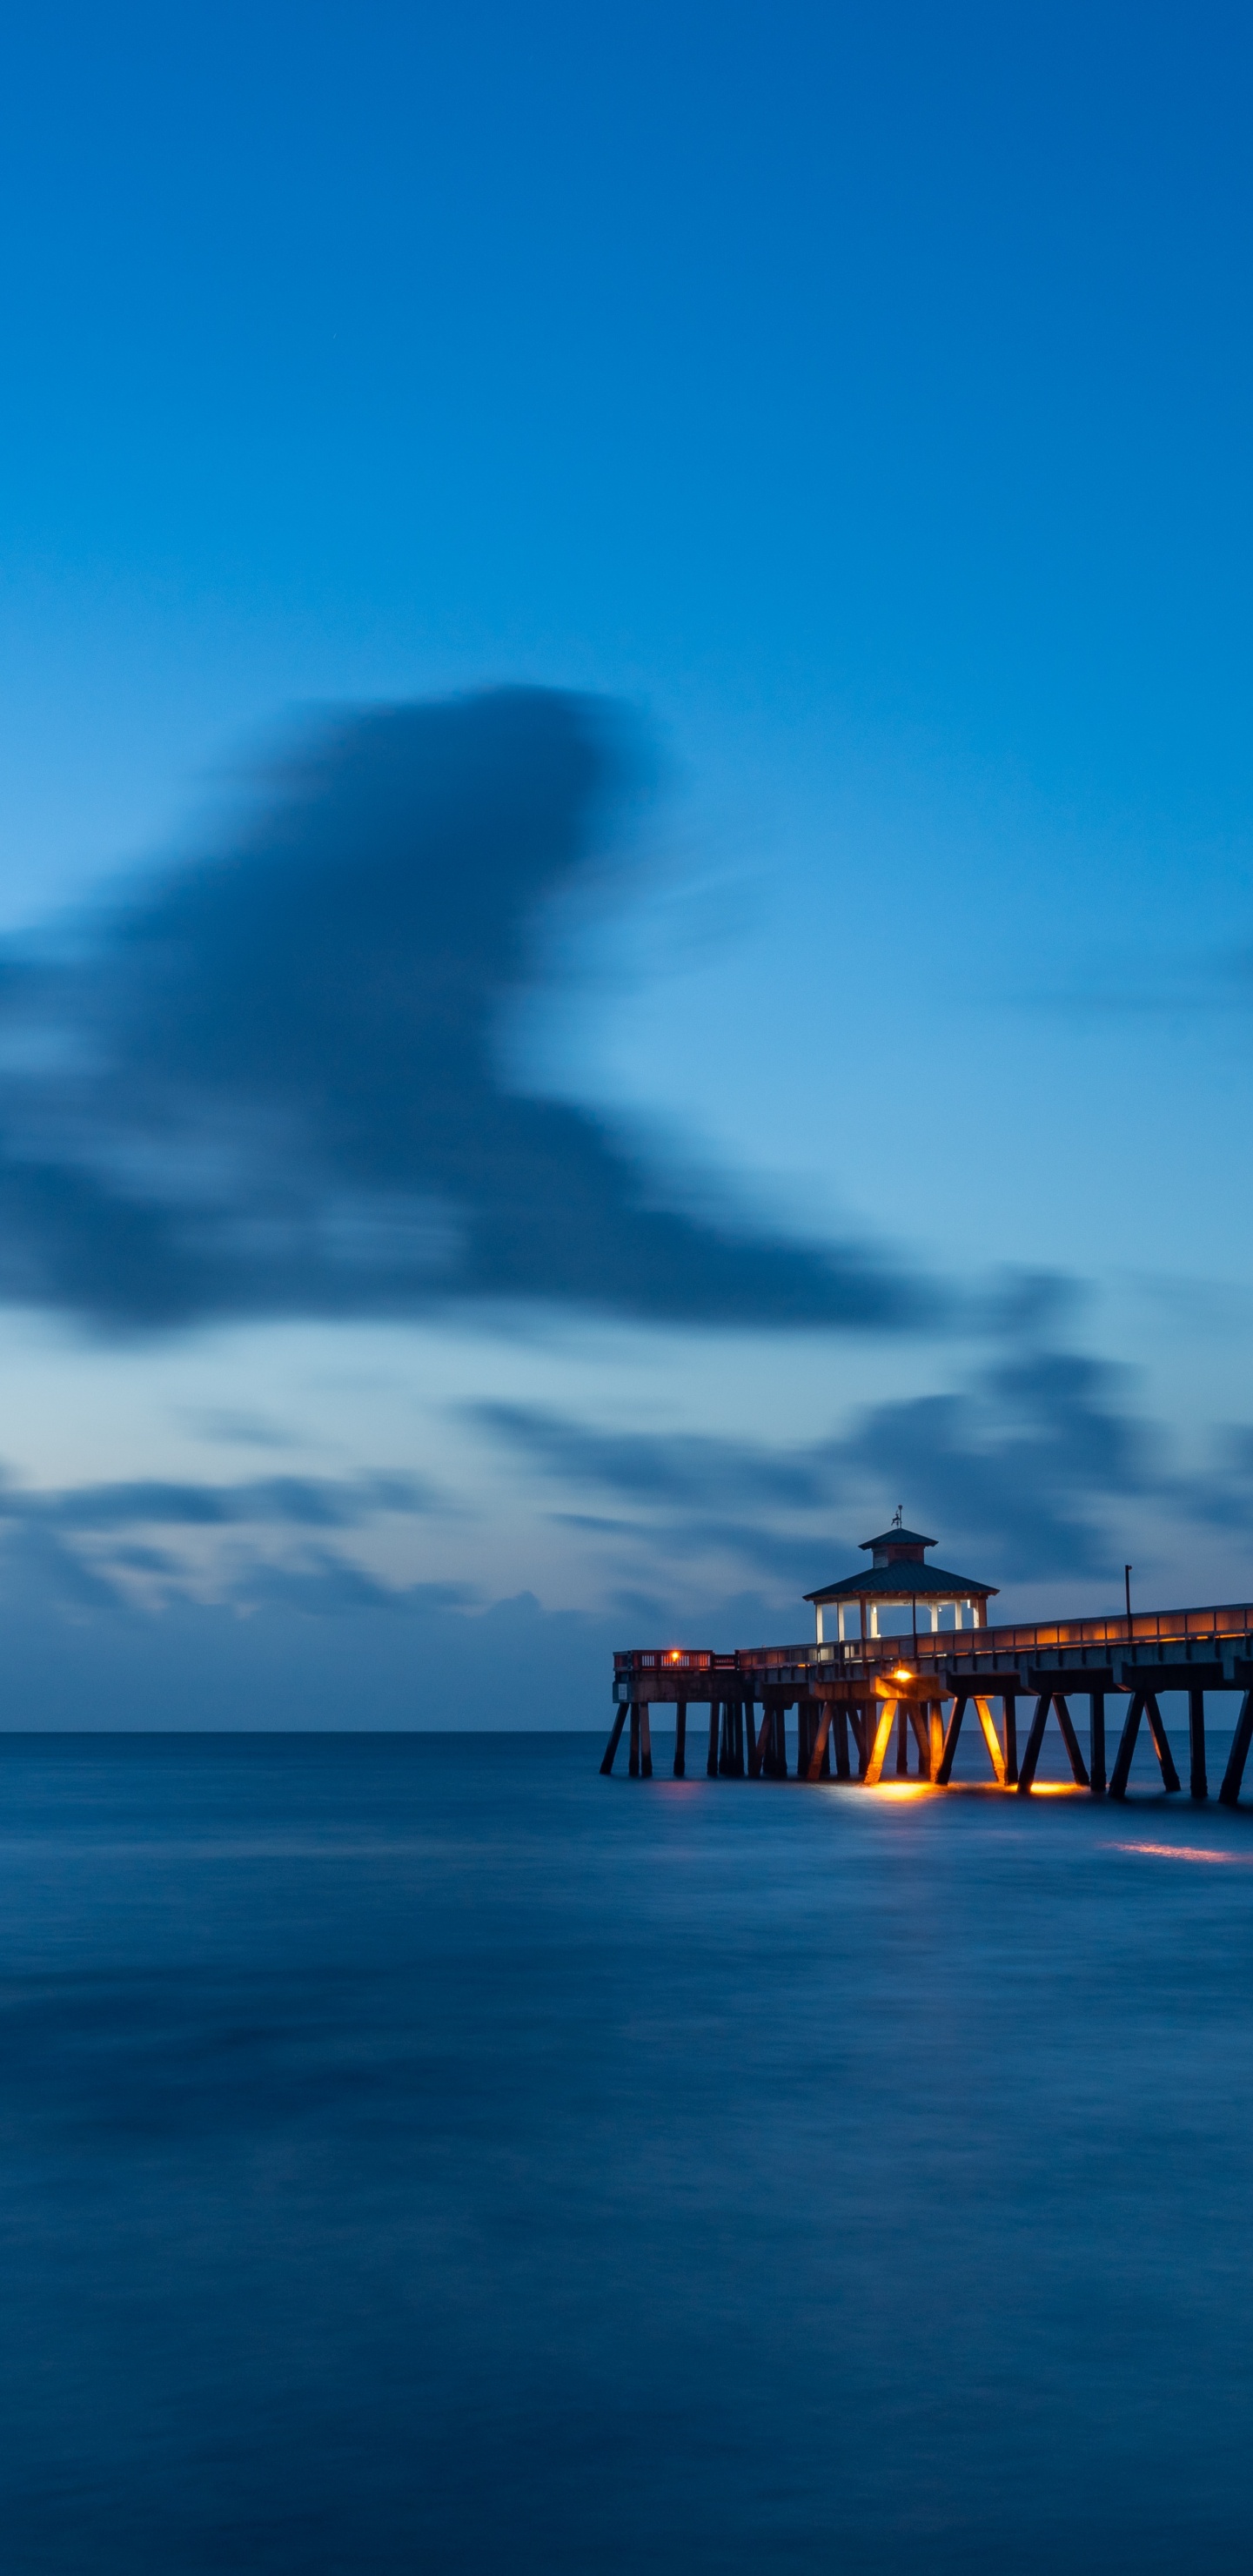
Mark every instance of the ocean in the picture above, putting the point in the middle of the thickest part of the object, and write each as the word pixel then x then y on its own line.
pixel 420 2153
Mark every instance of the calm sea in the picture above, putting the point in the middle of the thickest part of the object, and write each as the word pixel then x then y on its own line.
pixel 421 2154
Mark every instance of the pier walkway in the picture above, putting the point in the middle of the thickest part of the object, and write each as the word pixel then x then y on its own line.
pixel 864 1705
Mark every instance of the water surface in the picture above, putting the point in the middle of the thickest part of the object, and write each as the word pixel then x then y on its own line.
pixel 419 2153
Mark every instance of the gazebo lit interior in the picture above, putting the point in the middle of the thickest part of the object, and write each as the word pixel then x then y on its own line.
pixel 898 1576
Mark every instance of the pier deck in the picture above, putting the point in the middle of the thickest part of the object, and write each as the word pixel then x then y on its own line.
pixel 857 1698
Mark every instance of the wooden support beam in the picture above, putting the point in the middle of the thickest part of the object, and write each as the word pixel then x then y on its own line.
pixel 761 1742
pixel 1071 1740
pixel 770 1735
pixel 711 1766
pixel 882 1739
pixel 1198 1785
pixel 821 1732
pixel 778 1755
pixel 619 1721
pixel 902 1739
pixel 1121 1772
pixel 731 1762
pixel 633 1766
pixel 1035 1738
pixel 680 1740
pixel 935 1731
pixel 1009 1706
pixel 922 1736
pixel 1161 1741
pixel 1229 1793
pixel 1096 1741
pixel 756 1743
pixel 991 1738
pixel 646 1743
pixel 945 1771
pixel 858 1719
pixel 761 1748
pixel 843 1769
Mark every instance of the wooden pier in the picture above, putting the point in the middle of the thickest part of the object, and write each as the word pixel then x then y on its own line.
pixel 873 1707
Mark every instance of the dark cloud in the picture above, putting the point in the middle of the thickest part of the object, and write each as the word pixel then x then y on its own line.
pixel 1020 1466
pixel 99 1549
pixel 323 1585
pixel 1027 1460
pixel 662 1468
pixel 269 1083
pixel 291 1502
pixel 1223 1499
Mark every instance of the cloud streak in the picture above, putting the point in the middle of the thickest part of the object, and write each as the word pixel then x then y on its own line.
pixel 1023 1465
pixel 269 1082
pixel 284 1502
pixel 94 1546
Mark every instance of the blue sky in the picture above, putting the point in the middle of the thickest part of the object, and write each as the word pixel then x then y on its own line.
pixel 801 1063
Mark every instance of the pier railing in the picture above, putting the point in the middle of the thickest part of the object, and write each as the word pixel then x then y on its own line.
pixel 930 1648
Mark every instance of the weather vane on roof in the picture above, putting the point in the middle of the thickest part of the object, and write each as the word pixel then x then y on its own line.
pixel 899 1521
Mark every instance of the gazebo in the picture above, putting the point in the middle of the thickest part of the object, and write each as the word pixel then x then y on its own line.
pixel 898 1574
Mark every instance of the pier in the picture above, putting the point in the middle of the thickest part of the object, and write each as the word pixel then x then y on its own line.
pixel 873 1707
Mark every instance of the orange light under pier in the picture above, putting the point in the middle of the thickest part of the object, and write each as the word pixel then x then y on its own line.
pixel 883 1737
pixel 991 1738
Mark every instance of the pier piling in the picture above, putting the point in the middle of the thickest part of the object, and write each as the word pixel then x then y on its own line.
pixel 1096 1742
pixel 1198 1785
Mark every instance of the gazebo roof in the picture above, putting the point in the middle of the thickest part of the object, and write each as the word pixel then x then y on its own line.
pixel 898 1537
pixel 912 1581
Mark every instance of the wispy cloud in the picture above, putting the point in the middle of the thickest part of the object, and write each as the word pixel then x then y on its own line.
pixel 270 1081
pixel 1023 1465
pixel 98 1546
pixel 285 1502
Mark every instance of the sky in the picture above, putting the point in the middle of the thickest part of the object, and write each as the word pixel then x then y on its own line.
pixel 626 911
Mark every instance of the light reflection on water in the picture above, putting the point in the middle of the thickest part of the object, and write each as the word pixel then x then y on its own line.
pixel 422 2153
pixel 1186 1851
